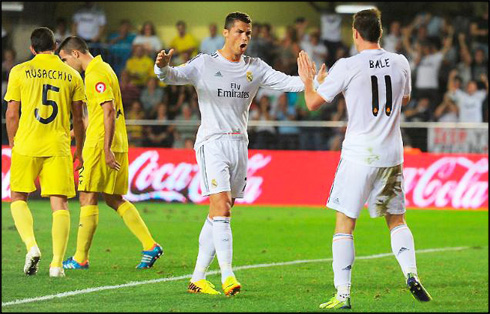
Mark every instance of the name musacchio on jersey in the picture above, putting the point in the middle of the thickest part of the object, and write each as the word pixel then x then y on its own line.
pixel 225 90
pixel 374 83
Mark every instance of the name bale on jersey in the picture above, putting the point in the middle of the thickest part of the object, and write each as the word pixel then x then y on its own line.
pixel 48 74
pixel 379 64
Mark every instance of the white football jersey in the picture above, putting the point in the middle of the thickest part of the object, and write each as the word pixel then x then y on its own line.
pixel 225 90
pixel 373 83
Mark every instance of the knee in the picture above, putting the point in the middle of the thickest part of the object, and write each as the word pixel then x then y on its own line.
pixel 114 201
pixel 88 199
pixel 221 209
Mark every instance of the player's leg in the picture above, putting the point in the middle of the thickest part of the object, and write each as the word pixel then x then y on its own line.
pixel 403 247
pixel 89 220
pixel 23 172
pixel 60 232
pixel 128 212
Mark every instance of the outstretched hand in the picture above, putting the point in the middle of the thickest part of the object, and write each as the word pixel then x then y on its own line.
pixel 163 59
pixel 306 68
pixel 322 74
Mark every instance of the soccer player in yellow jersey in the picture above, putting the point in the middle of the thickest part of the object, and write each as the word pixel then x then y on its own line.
pixel 48 90
pixel 105 156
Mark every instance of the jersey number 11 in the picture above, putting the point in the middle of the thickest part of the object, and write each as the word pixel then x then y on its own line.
pixel 389 92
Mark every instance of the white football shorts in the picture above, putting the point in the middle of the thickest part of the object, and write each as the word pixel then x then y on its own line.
pixel 223 167
pixel 354 184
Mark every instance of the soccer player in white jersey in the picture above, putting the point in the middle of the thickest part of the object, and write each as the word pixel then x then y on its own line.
pixel 226 82
pixel 375 84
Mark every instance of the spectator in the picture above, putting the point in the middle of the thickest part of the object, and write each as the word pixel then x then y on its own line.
pixel 151 96
pixel 61 30
pixel 8 63
pixel 183 42
pixel 160 135
pixel 309 138
pixel 135 132
pixel 212 43
pixel 185 132
pixel 300 26
pixel 479 32
pixel 288 53
pixel 140 67
pixel 129 91
pixel 479 65
pixel 335 142
pixel 465 65
pixel 265 136
pixel 469 102
pixel 89 23
pixel 418 111
pixel 316 50
pixel 177 98
pixel 149 39
pixel 392 42
pixel 121 45
pixel 288 136
pixel 331 24
pixel 447 111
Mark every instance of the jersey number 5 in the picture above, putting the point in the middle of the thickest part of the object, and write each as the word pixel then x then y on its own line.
pixel 389 93
pixel 46 102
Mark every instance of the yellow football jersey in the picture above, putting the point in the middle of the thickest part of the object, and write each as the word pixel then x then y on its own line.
pixel 101 85
pixel 46 88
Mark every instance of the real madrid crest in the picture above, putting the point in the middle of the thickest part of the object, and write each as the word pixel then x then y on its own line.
pixel 250 76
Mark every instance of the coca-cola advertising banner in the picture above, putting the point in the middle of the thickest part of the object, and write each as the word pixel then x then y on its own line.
pixel 455 181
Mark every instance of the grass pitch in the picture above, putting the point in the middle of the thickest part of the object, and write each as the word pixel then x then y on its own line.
pixel 456 279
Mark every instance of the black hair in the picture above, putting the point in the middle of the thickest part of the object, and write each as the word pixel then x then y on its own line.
pixel 42 39
pixel 73 43
pixel 368 24
pixel 234 16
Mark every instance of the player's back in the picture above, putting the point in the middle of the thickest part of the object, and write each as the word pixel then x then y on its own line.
pixel 46 88
pixel 376 81
pixel 102 85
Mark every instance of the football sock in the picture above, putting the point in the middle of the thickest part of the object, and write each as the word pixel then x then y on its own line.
pixel 223 243
pixel 404 249
pixel 60 232
pixel 24 223
pixel 89 219
pixel 206 251
pixel 343 259
pixel 133 221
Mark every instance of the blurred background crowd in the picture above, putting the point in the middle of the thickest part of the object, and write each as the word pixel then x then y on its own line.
pixel 448 57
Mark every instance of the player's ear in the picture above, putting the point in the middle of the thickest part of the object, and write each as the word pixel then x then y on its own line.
pixel 32 50
pixel 225 32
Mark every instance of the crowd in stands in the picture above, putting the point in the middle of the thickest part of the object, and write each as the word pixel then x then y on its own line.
pixel 448 58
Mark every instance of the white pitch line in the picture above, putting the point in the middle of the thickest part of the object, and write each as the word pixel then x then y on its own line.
pixel 137 283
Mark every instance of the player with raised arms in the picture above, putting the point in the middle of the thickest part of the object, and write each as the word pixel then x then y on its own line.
pixel 41 93
pixel 105 154
pixel 226 82
pixel 375 84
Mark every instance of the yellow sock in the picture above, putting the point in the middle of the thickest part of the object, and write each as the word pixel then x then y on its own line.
pixel 24 223
pixel 133 220
pixel 89 219
pixel 60 232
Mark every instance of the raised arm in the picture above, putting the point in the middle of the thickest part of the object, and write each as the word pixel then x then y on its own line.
pixel 181 75
pixel 307 73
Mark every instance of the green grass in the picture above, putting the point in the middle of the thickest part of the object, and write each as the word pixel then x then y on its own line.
pixel 457 280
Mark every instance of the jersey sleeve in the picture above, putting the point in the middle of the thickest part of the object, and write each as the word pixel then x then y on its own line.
pixel 79 92
pixel 183 74
pixel 279 81
pixel 99 87
pixel 14 84
pixel 335 81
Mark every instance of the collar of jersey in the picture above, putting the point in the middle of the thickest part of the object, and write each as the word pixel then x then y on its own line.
pixel 372 50
pixel 45 55
pixel 93 62
pixel 232 62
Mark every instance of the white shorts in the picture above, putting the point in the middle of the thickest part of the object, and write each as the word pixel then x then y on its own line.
pixel 354 184
pixel 223 167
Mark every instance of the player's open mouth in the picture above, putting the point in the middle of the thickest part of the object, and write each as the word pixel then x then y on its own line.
pixel 242 46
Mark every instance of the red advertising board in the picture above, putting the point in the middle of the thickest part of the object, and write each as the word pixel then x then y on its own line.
pixel 455 181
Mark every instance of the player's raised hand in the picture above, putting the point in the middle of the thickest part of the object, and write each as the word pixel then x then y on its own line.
pixel 78 156
pixel 306 70
pixel 163 59
pixel 110 160
pixel 322 74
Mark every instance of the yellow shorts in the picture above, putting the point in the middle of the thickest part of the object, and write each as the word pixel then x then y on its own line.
pixel 96 176
pixel 55 174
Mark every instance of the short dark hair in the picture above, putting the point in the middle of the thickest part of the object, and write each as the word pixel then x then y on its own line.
pixel 42 39
pixel 73 43
pixel 368 24
pixel 234 16
pixel 180 23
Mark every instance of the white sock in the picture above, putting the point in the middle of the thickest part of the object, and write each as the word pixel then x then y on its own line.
pixel 343 259
pixel 206 251
pixel 404 249
pixel 223 243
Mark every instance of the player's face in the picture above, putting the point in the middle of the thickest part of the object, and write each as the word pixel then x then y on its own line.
pixel 71 60
pixel 238 37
